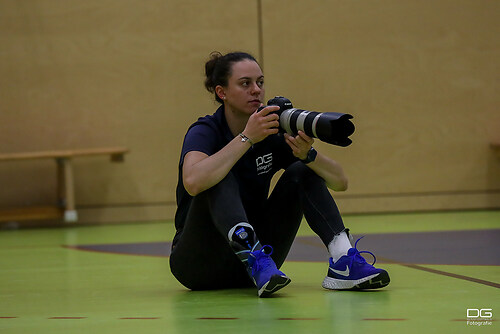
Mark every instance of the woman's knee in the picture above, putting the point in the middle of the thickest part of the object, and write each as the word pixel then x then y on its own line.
pixel 299 173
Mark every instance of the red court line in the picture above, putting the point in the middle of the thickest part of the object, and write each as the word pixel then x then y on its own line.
pixel 444 273
pixel 8 317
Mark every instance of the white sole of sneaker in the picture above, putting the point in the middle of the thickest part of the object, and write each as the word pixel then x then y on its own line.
pixel 340 284
pixel 275 283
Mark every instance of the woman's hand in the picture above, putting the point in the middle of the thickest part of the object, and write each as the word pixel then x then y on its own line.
pixel 325 167
pixel 262 124
pixel 300 144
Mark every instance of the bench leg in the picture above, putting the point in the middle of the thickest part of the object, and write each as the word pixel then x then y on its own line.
pixel 66 190
pixel 61 195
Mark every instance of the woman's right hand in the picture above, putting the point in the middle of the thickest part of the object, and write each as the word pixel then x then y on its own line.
pixel 262 123
pixel 201 171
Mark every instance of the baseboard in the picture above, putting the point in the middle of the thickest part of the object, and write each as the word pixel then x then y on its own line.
pixel 127 214
pixel 348 204
pixel 418 202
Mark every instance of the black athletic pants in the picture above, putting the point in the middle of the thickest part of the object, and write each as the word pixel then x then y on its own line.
pixel 202 258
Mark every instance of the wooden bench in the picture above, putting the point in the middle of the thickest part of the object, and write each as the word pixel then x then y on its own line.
pixel 65 182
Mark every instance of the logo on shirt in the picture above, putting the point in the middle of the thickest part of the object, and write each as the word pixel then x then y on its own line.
pixel 264 163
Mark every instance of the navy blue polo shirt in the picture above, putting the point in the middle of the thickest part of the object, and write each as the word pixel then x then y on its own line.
pixel 253 171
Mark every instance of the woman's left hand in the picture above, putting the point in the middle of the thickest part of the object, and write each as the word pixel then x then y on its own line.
pixel 300 144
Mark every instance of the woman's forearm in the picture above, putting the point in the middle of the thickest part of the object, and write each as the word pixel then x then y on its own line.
pixel 330 171
pixel 201 171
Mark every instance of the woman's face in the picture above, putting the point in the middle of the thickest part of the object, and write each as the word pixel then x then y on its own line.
pixel 245 88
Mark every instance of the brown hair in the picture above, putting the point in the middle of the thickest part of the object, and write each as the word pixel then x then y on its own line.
pixel 218 69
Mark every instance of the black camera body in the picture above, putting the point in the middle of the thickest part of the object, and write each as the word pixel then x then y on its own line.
pixel 330 127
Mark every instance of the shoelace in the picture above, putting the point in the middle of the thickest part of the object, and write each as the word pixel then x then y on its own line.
pixel 264 261
pixel 357 256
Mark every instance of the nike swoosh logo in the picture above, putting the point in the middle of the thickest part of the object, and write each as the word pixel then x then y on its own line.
pixel 341 272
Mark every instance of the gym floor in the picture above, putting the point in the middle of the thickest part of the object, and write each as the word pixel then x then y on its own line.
pixel 444 268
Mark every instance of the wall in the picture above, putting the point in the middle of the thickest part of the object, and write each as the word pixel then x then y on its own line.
pixel 420 77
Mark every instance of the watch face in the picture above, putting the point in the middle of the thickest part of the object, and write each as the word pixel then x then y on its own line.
pixel 311 156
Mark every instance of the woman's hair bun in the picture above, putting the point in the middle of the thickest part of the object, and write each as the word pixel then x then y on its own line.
pixel 210 66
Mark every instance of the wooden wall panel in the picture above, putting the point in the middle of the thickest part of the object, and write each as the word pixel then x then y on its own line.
pixel 76 74
pixel 420 77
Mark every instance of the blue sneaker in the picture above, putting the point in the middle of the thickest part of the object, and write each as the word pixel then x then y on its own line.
pixel 264 273
pixel 352 272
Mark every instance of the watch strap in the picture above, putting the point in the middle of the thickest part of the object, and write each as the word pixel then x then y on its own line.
pixel 311 156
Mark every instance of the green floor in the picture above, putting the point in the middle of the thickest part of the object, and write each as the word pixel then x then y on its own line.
pixel 47 288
